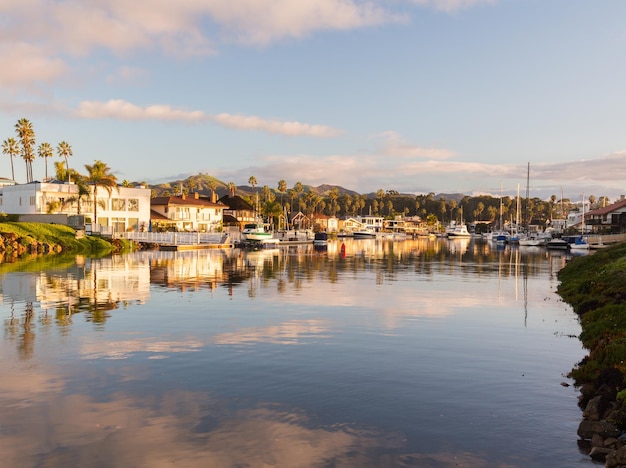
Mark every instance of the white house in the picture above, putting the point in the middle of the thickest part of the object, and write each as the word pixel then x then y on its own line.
pixel 123 209
pixel 187 213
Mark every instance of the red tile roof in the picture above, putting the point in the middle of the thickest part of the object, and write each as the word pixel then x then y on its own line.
pixel 607 209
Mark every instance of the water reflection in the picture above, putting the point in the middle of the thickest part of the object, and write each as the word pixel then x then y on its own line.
pixel 95 287
pixel 377 354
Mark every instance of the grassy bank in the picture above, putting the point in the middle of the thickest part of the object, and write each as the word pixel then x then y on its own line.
pixel 23 238
pixel 595 286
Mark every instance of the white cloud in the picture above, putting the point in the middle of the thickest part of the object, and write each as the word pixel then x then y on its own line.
pixel 27 66
pixel 452 5
pixel 245 122
pixel 395 146
pixel 124 110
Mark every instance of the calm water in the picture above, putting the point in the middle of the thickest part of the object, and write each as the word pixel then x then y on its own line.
pixel 419 353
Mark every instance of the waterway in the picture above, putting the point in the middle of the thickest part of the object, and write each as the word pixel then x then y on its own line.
pixel 420 353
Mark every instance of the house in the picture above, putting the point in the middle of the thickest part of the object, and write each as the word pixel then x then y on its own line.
pixel 298 220
pixel 237 211
pixel 611 218
pixel 123 209
pixel 186 213
pixel 325 223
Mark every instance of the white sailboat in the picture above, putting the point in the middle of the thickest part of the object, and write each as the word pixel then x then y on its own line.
pixel 581 242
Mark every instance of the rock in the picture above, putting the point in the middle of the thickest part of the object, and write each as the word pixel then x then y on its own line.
pixel 616 458
pixel 587 429
pixel 595 409
pixel 600 454
pixel 597 440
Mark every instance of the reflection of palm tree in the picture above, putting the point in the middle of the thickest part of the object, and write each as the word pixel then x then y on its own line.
pixel 99 176
pixel 10 147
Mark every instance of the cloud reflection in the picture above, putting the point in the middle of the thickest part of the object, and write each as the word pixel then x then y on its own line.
pixel 292 332
pixel 123 349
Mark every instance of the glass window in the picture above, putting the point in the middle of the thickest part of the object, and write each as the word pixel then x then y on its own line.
pixel 133 204
pixel 118 204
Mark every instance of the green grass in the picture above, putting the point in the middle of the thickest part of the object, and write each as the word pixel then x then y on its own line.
pixel 55 235
pixel 595 287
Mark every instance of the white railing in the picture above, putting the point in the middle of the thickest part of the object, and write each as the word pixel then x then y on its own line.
pixel 175 238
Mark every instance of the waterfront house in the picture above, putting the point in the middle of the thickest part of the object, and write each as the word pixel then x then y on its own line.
pixel 123 209
pixel 609 219
pixel 186 213
pixel 237 211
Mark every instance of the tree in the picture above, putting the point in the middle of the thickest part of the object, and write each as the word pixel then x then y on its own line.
pixel 99 175
pixel 11 148
pixel 252 182
pixel 46 151
pixel 26 135
pixel 282 188
pixel 64 150
pixel 298 188
pixel 231 189
pixel 213 187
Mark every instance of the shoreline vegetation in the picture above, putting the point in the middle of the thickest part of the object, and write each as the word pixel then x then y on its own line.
pixel 595 287
pixel 22 238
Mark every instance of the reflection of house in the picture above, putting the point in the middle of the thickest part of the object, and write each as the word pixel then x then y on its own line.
pixel 609 218
pixel 186 213
pixel 237 212
pixel 124 209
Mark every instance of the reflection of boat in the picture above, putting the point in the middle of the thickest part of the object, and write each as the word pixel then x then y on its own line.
pixel 320 239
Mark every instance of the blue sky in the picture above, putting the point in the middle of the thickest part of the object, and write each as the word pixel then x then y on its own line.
pixel 408 95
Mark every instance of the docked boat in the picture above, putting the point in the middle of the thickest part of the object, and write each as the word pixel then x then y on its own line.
pixel 320 239
pixel 460 230
pixel 254 234
pixel 558 244
pixel 364 234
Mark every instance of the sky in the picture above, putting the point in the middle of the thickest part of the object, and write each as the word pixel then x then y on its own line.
pixel 418 96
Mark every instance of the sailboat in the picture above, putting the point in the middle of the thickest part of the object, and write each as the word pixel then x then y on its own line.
pixel 528 239
pixel 581 242
pixel 500 236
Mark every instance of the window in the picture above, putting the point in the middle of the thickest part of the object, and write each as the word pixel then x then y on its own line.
pixel 118 204
pixel 133 204
pixel 32 200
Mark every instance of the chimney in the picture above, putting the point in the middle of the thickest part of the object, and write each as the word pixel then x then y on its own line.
pixel 213 197
pixel 183 196
pixel 196 195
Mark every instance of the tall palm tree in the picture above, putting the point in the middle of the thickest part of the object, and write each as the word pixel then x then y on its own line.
pixel 252 182
pixel 99 175
pixel 231 189
pixel 64 150
pixel 26 134
pixel 45 151
pixel 11 148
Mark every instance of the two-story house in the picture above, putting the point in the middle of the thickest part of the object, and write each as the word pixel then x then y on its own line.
pixel 123 209
pixel 611 218
pixel 186 213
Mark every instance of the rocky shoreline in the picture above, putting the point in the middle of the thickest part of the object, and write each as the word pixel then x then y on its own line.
pixel 595 286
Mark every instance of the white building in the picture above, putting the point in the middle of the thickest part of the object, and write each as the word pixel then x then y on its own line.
pixel 124 209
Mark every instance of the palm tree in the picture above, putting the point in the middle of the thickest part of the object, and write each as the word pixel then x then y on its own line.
pixel 46 151
pixel 26 134
pixel 12 149
pixel 64 150
pixel 298 188
pixel 99 175
pixel 252 182
pixel 213 187
pixel 231 189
